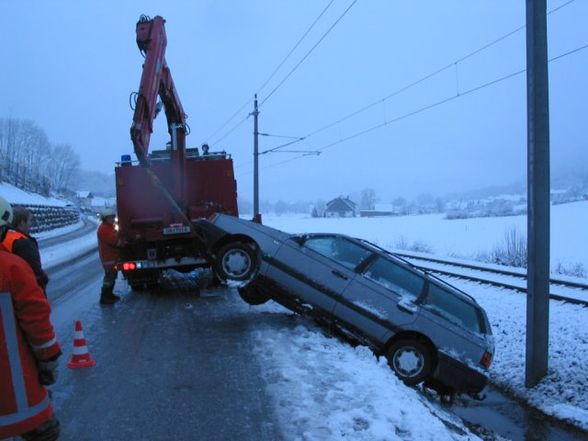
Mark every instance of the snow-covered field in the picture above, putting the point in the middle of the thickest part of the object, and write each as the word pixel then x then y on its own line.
pixel 460 237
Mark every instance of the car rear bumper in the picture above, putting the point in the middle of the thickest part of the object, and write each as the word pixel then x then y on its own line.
pixel 458 376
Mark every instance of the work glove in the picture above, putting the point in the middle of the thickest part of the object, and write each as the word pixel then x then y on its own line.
pixel 47 372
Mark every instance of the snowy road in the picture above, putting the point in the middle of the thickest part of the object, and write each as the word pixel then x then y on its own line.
pixel 172 365
pixel 82 228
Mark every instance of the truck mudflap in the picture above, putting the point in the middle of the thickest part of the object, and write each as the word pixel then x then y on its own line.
pixel 458 376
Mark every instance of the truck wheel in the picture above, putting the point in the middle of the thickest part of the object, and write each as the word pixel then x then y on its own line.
pixel 236 261
pixel 252 296
pixel 410 360
pixel 137 286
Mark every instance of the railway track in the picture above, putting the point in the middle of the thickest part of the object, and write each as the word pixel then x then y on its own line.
pixel 571 291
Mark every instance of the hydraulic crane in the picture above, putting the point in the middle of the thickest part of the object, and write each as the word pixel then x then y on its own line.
pixel 157 81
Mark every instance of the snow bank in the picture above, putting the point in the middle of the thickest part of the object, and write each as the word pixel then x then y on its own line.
pixel 324 389
pixel 17 196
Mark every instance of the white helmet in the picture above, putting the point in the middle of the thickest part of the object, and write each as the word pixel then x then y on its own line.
pixel 107 213
pixel 5 212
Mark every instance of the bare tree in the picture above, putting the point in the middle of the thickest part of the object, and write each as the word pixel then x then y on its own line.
pixel 65 166
pixel 368 199
pixel 29 161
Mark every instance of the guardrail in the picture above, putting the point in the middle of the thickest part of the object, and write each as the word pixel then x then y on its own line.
pixel 47 217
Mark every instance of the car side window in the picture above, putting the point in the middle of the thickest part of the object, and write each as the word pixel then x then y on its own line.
pixel 339 249
pixel 395 277
pixel 452 308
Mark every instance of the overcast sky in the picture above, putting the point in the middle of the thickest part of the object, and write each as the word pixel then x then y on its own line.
pixel 70 66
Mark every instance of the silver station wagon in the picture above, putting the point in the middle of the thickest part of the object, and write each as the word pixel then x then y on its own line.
pixel 428 330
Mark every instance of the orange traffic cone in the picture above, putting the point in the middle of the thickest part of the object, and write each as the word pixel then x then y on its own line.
pixel 80 357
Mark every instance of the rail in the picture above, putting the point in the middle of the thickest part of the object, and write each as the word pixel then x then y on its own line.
pixel 570 291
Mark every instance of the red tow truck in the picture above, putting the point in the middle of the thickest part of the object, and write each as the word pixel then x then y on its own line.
pixel 162 194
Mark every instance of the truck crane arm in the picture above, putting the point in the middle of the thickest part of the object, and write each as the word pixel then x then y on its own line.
pixel 156 81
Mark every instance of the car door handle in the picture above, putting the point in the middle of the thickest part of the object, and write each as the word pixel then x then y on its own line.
pixel 340 275
pixel 407 306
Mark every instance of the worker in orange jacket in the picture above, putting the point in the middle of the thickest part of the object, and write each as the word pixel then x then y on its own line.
pixel 28 348
pixel 19 241
pixel 108 248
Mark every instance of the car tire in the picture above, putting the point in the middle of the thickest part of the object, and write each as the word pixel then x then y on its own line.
pixel 410 360
pixel 252 296
pixel 236 261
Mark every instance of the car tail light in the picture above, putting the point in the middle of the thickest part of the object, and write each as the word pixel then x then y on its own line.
pixel 486 360
pixel 129 266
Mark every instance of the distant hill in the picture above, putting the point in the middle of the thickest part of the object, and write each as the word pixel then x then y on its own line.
pixel 563 180
pixel 100 184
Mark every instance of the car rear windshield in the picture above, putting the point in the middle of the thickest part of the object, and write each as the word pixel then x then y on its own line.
pixel 451 307
pixel 395 277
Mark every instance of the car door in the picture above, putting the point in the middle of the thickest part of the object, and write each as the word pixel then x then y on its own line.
pixel 381 299
pixel 316 269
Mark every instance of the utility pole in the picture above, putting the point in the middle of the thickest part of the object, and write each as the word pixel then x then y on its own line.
pixel 256 215
pixel 538 193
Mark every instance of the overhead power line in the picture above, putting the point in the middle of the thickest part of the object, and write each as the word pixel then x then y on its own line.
pixel 415 83
pixel 235 127
pixel 295 46
pixel 424 78
pixel 278 136
pixel 270 77
pixel 281 146
pixel 425 108
pixel 229 120
pixel 308 53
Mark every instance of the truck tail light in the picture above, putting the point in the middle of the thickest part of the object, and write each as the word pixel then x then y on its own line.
pixel 486 360
pixel 129 266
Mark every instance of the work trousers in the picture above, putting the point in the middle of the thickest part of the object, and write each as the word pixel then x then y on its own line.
pixel 109 279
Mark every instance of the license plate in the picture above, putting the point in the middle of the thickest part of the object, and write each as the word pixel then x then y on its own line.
pixel 176 230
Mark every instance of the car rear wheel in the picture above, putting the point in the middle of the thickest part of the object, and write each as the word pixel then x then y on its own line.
pixel 252 296
pixel 410 360
pixel 236 261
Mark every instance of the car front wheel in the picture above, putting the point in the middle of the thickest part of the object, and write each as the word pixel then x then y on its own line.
pixel 410 360
pixel 236 262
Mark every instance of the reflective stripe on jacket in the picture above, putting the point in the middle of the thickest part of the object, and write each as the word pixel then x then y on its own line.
pixel 26 337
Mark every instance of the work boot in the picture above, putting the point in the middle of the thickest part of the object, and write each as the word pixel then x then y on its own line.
pixel 107 297
pixel 48 431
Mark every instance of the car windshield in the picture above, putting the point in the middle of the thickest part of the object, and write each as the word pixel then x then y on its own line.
pixel 451 307
pixel 395 277
pixel 339 249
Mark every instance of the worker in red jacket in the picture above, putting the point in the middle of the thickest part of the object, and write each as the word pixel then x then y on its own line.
pixel 28 348
pixel 19 241
pixel 108 248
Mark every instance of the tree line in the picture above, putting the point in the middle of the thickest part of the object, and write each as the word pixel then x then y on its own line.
pixel 28 160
